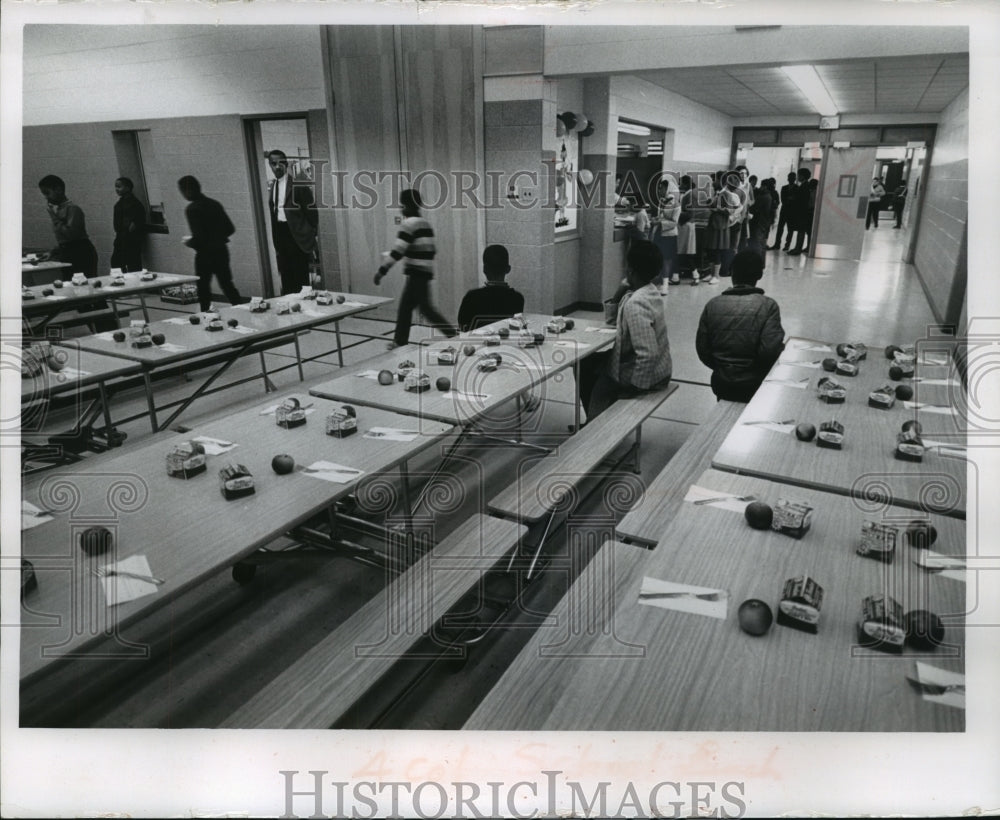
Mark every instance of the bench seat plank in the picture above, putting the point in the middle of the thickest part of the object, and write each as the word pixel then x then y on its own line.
pixel 545 485
pixel 329 679
pixel 646 522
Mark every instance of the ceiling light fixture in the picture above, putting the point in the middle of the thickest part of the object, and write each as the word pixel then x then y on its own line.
pixel 633 128
pixel 809 83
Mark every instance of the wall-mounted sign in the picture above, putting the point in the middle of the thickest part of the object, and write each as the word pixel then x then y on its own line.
pixel 829 123
pixel 916 144
pixel 841 144
pixel 847 186
pixel 744 146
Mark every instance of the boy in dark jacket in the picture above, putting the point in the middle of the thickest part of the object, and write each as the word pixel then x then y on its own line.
pixel 497 299
pixel 740 334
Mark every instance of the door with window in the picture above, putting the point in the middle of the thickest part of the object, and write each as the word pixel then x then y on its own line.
pixel 839 224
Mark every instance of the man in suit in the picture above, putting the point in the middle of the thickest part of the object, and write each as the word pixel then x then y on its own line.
pixel 294 224
pixel 787 195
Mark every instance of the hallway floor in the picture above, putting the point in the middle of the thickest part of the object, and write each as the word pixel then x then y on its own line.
pixel 237 638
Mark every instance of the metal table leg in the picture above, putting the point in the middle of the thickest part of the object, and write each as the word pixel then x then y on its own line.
pixel 340 346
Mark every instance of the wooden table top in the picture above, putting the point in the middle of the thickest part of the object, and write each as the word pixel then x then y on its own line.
pixel 186 528
pixel 195 340
pixel 646 668
pixel 866 464
pixel 79 368
pixel 473 393
pixel 70 295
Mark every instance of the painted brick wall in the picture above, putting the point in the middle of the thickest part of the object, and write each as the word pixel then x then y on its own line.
pixel 940 257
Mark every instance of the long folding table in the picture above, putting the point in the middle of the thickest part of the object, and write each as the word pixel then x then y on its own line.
pixel 70 296
pixel 193 345
pixel 609 660
pixel 184 528
pixel 763 441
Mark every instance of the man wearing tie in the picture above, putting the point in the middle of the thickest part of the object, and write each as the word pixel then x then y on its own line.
pixel 293 225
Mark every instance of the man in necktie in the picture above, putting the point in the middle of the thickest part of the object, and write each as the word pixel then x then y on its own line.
pixel 294 224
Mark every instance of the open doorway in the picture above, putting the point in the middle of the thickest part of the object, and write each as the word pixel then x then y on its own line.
pixel 290 134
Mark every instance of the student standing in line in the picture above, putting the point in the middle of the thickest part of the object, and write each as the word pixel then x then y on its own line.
pixel 740 335
pixel 129 219
pixel 294 225
pixel 640 359
pixel 70 228
pixel 874 202
pixel 664 233
pixel 785 217
pixel 210 228
pixel 801 220
pixel 415 244
pixel 898 203
pixel 496 300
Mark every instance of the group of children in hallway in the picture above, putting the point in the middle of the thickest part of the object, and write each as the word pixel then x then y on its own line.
pixel 739 335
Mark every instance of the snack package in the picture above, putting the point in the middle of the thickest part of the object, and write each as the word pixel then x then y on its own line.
pixel 78 279
pixel 324 297
pixel 447 355
pixel 258 305
pixel 792 518
pixel 403 368
pixel 341 422
pixel 881 624
pixel 236 481
pixel 801 601
pixel 517 322
pixel 830 390
pixel 909 446
pixel 883 397
pixel 489 362
pixel 830 435
pixel 845 367
pixel 416 381
pixel 557 324
pixel 878 541
pixel 290 413
pixel 185 460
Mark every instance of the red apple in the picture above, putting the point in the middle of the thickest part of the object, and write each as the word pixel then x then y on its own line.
pixel 924 629
pixel 443 384
pixel 469 350
pixel 759 515
pixel 805 431
pixel 385 377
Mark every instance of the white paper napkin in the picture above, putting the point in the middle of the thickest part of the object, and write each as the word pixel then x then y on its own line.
pixel 473 397
pixel 106 336
pixel 71 374
pixel 719 500
pixel 945 566
pixel 241 329
pixel 946 448
pixel 577 345
pixel 329 471
pixel 601 330
pixel 810 346
pixel 943 382
pixel 933 362
pixel 270 411
pixel 316 314
pixel 353 304
pixel 793 363
pixel 170 347
pixel 54 298
pixel 391 434
pixel 773 426
pixel 926 674
pixel 214 446
pixel 32 516
pixel 798 384
pixel 929 408
pixel 370 374
pixel 119 589
pixel 685 600
pixel 180 320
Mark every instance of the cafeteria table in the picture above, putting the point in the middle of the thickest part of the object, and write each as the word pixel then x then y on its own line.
pixel 69 370
pixel 30 267
pixel 473 393
pixel 610 661
pixel 192 345
pixel 184 528
pixel 71 296
pixel 763 441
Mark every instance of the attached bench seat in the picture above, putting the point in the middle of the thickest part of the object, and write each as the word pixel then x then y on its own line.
pixel 546 486
pixel 646 521
pixel 330 678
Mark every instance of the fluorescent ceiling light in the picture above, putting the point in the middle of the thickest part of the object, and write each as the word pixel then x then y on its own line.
pixel 632 128
pixel 809 83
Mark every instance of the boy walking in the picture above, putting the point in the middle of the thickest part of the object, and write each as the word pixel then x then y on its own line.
pixel 740 334
pixel 415 244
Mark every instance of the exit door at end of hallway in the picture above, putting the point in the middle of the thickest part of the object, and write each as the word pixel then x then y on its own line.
pixel 844 188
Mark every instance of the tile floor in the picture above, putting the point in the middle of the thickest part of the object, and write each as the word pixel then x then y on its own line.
pixel 237 638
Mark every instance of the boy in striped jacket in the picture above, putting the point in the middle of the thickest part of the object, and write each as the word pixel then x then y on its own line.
pixel 414 244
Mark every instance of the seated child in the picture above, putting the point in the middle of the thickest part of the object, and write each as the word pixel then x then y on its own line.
pixel 640 359
pixel 496 300
pixel 740 334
